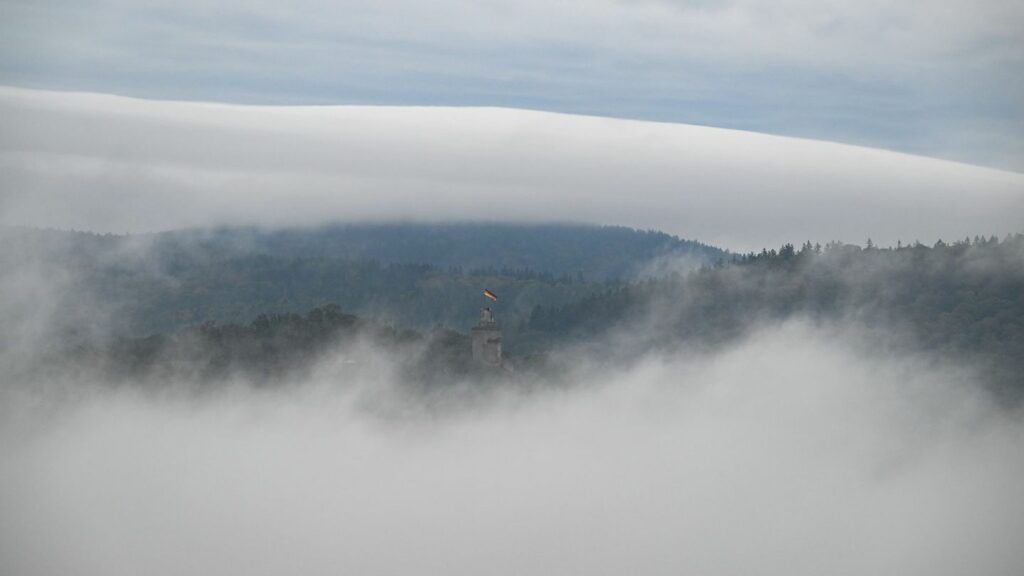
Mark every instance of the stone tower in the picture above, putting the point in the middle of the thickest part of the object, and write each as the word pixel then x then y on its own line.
pixel 487 340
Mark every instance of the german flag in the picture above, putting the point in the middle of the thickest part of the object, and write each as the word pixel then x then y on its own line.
pixel 489 294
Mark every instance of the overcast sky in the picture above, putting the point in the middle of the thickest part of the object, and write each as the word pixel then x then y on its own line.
pixel 938 77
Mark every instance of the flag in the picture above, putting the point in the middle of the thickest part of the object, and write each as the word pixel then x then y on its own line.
pixel 490 295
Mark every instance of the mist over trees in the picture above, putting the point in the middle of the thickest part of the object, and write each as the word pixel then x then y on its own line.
pixel 962 299
pixel 312 288
pixel 710 402
pixel 215 304
pixel 275 349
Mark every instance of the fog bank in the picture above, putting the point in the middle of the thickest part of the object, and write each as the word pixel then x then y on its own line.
pixel 108 163
pixel 791 452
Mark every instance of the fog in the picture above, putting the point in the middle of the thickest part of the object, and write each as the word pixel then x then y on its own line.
pixel 800 446
pixel 793 451
pixel 112 164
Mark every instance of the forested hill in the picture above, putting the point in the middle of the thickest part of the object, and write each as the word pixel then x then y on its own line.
pixel 963 300
pixel 410 275
pixel 594 252
pixel 232 307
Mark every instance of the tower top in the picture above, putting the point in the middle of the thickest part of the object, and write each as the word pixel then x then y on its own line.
pixel 486 318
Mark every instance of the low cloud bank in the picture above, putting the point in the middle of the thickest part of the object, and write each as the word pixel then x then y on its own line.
pixel 793 451
pixel 116 164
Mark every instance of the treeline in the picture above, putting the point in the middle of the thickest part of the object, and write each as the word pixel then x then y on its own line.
pixel 964 298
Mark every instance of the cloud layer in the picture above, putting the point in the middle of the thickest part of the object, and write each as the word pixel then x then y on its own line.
pixel 115 164
pixel 935 78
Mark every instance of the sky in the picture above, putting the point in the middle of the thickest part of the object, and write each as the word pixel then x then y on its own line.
pixel 940 78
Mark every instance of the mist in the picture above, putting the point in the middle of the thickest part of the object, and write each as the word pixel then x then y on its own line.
pixel 801 445
pixel 792 451
pixel 792 444
pixel 112 164
pixel 290 380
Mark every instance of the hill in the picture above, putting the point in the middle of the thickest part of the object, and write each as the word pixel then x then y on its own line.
pixel 963 300
pixel 411 275
pixel 593 252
